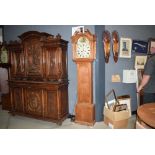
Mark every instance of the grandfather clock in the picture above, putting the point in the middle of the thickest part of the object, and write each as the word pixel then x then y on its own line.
pixel 84 53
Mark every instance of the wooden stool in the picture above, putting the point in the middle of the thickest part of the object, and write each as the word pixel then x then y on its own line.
pixel 146 115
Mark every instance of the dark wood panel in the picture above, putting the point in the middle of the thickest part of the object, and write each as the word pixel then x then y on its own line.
pixel 33 101
pixel 52 106
pixel 5 65
pixel 39 100
pixel 64 100
pixel 6 102
pixel 17 99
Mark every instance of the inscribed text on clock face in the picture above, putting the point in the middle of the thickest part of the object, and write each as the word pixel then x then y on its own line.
pixel 83 48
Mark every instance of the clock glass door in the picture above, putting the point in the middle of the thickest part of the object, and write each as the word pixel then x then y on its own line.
pixel 83 48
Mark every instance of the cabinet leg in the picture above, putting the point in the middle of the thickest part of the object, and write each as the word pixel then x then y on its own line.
pixel 12 113
pixel 59 123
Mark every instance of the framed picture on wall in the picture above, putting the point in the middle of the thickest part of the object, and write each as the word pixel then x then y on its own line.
pixel 140 62
pixel 139 46
pixel 151 46
pixel 125 47
pixel 77 29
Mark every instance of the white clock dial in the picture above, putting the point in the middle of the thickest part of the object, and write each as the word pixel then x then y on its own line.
pixel 83 48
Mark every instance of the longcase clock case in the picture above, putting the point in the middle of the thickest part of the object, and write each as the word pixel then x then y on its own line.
pixel 39 76
pixel 85 108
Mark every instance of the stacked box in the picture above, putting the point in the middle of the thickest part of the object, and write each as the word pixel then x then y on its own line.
pixel 116 120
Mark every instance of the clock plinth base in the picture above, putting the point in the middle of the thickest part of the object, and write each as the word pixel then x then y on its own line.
pixel 85 114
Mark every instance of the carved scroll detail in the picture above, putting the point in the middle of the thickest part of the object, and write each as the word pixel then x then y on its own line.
pixel 34 102
pixel 34 52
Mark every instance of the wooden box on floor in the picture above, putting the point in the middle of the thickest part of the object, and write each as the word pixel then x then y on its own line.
pixel 116 120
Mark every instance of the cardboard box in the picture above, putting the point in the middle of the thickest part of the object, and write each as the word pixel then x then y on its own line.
pixel 116 124
pixel 125 99
pixel 116 120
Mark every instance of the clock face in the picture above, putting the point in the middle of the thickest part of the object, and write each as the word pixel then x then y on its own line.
pixel 83 48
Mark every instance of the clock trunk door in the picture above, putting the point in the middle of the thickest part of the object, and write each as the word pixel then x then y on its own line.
pixel 84 82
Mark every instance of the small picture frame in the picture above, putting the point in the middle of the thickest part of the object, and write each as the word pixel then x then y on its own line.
pixel 125 47
pixel 140 62
pixel 111 99
pixel 151 46
pixel 77 29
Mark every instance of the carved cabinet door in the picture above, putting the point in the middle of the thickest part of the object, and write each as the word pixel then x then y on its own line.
pixel 64 59
pixel 34 58
pixel 51 108
pixel 17 61
pixel 56 67
pixel 17 99
pixel 34 101
pixel 56 102
pixel 63 92
pixel 53 64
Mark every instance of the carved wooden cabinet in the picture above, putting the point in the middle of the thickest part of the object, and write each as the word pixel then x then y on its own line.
pixel 39 76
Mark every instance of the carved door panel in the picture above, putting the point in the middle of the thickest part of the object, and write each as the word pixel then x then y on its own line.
pixel 64 100
pixel 34 101
pixel 54 70
pixel 34 58
pixel 17 61
pixel 17 99
pixel 52 104
pixel 64 63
